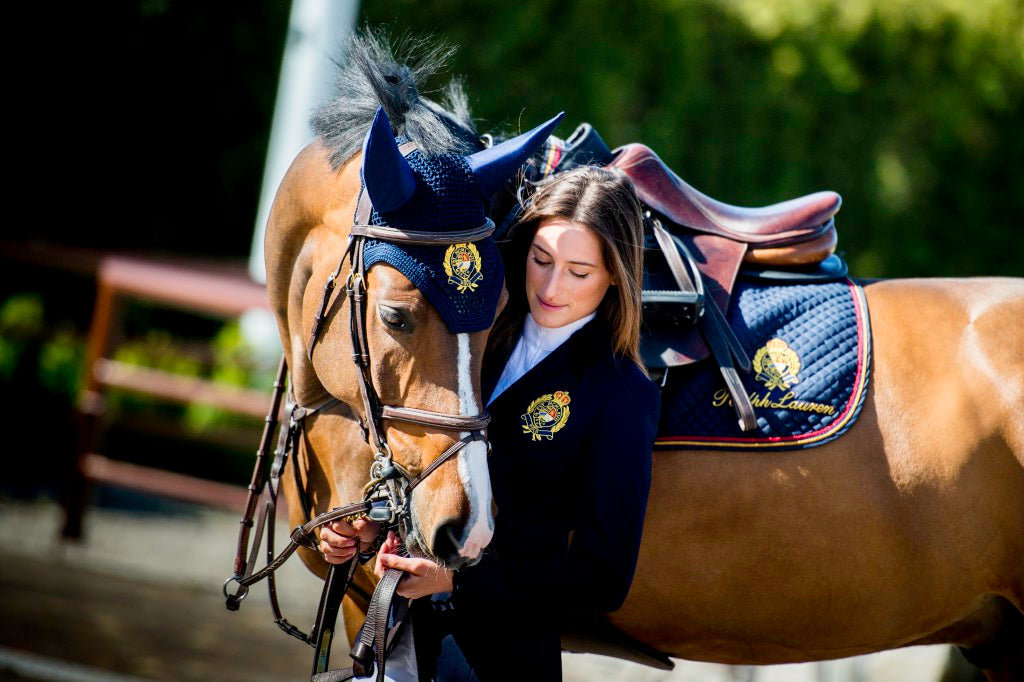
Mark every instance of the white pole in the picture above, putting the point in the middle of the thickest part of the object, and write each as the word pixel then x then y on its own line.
pixel 314 29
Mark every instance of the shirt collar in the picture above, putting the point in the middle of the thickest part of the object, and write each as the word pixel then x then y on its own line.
pixel 550 338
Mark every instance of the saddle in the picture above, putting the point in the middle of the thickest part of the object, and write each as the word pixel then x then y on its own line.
pixel 697 247
pixel 793 233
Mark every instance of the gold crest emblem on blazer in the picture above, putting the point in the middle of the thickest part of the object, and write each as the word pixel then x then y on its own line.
pixel 546 415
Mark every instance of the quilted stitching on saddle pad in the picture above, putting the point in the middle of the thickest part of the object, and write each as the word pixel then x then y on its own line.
pixel 810 345
pixel 447 198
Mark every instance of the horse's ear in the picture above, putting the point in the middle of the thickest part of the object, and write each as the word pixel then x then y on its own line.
pixel 495 165
pixel 389 180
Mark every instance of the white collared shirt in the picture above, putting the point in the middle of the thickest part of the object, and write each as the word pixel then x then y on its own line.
pixel 535 344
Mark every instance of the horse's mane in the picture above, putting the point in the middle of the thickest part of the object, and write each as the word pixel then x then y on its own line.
pixel 374 74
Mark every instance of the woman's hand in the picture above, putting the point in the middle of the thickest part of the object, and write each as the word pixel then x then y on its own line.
pixel 422 576
pixel 338 539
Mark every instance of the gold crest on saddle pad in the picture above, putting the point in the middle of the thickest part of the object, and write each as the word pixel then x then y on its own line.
pixel 462 264
pixel 546 415
pixel 777 365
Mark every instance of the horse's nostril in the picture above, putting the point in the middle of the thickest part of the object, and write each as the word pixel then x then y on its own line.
pixel 446 542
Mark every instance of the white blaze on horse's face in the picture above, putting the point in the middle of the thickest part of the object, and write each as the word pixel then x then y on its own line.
pixel 473 464
pixel 417 362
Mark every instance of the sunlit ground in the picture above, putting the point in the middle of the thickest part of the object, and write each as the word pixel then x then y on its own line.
pixel 139 599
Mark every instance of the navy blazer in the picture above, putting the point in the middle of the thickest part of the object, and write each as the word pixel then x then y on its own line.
pixel 570 473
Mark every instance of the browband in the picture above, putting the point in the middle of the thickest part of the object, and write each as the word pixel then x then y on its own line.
pixel 393 234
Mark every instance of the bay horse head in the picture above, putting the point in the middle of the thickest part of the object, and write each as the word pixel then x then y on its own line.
pixel 403 231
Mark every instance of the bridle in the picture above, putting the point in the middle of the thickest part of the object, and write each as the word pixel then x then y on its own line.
pixel 387 495
pixel 375 412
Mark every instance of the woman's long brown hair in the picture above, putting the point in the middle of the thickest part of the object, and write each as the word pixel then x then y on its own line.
pixel 604 201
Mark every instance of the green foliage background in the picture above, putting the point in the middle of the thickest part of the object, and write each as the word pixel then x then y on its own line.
pixel 911 110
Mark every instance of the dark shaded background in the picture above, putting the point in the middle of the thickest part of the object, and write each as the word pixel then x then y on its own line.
pixel 142 127
pixel 156 115
pixel 913 112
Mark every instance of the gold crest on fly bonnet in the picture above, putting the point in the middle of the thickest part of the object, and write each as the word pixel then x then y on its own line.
pixel 464 267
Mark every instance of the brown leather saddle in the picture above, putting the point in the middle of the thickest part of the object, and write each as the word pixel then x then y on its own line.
pixel 700 245
pixel 792 233
pixel 695 248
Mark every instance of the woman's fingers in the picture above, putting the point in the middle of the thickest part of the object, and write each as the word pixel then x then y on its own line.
pixel 342 528
pixel 388 548
pixel 413 565
pixel 366 529
pixel 363 529
pixel 422 576
pixel 335 539
pixel 390 545
pixel 340 540
pixel 338 554
pixel 336 547
pixel 378 565
pixel 427 579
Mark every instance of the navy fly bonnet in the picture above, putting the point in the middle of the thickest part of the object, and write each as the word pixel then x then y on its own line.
pixel 442 193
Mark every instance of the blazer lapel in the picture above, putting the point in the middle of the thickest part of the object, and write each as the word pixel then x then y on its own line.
pixel 571 357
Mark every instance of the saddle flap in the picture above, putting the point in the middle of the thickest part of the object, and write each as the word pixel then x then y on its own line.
pixel 668 336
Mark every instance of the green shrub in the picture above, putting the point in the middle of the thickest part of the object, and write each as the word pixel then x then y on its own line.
pixel 910 109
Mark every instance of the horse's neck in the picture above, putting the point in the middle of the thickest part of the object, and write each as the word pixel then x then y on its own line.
pixel 305 237
pixel 332 481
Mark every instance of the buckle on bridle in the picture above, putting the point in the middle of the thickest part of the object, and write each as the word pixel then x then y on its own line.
pixel 233 601
pixel 382 459
pixel 352 280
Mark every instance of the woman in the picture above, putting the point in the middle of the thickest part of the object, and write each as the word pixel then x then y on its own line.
pixel 573 421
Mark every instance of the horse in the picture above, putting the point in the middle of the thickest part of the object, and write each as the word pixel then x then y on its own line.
pixel 908 529
pixel 418 351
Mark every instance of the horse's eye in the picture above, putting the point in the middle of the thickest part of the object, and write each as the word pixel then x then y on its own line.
pixel 393 318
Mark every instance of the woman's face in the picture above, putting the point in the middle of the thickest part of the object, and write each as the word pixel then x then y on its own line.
pixel 566 277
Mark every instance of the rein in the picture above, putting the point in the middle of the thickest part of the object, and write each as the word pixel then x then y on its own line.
pixel 387 495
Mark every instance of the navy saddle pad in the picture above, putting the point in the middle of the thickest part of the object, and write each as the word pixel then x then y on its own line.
pixel 810 345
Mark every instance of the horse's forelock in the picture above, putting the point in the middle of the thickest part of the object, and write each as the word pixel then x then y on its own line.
pixel 372 73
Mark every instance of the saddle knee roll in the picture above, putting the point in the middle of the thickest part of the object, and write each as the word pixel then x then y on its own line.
pixel 805 253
